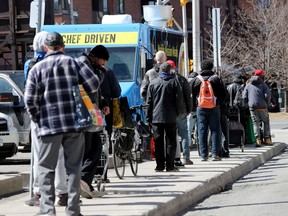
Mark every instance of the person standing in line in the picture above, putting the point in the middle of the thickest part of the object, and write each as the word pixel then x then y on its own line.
pixel 258 96
pixel 151 74
pixel 162 114
pixel 51 105
pixel 191 118
pixel 185 102
pixel 209 117
pixel 60 179
pixel 95 60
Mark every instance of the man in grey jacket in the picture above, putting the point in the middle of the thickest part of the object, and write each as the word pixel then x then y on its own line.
pixel 258 96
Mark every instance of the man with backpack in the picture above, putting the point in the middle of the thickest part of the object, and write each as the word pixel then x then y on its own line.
pixel 208 93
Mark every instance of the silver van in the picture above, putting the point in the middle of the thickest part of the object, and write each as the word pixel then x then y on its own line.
pixel 12 104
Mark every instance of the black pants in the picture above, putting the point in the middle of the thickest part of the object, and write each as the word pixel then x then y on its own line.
pixel 225 131
pixel 92 155
pixel 165 145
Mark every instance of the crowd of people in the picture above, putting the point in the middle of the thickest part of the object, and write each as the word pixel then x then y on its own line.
pixel 65 159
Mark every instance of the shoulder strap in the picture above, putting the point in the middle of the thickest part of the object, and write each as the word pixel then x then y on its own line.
pixel 200 77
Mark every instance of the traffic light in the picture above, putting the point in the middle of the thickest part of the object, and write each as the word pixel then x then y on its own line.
pixel 183 2
pixel 191 65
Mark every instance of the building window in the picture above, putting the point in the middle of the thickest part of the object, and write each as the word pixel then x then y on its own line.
pixel 60 5
pixel 100 6
pixel 208 15
pixel 120 7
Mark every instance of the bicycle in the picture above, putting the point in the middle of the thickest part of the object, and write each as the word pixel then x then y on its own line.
pixel 127 142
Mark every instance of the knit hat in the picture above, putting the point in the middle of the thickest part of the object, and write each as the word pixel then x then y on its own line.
pixel 165 67
pixel 39 41
pixel 172 63
pixel 100 52
pixel 207 65
pixel 259 73
pixel 54 39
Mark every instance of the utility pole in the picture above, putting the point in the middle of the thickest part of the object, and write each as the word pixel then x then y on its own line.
pixel 196 35
pixel 71 12
pixel 38 29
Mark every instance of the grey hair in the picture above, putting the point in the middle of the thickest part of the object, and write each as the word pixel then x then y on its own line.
pixel 38 41
pixel 160 57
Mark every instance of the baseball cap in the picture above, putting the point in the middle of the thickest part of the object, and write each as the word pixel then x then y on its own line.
pixel 259 73
pixel 54 39
pixel 172 63
pixel 165 67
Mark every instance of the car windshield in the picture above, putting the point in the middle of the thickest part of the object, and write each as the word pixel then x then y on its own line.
pixel 121 61
pixel 18 78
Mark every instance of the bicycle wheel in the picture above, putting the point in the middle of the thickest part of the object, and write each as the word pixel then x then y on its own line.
pixel 133 162
pixel 118 159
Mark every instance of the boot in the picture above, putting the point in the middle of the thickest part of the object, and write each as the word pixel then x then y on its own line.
pixel 268 140
pixel 258 142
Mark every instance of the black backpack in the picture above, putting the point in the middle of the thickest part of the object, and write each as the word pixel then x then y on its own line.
pixel 238 100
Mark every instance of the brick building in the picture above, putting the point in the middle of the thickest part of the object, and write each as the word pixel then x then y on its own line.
pixel 16 36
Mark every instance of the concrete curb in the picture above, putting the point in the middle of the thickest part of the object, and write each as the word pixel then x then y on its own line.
pixel 216 184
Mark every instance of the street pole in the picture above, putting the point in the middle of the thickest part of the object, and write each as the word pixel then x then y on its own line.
pixel 71 12
pixel 185 35
pixel 38 29
pixel 196 35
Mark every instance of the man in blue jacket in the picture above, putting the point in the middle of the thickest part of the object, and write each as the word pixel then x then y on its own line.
pixel 258 96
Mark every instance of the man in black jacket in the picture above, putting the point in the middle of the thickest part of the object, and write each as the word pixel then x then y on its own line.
pixel 209 117
pixel 162 114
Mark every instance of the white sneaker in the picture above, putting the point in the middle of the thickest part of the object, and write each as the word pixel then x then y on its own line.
pixel 87 193
pixel 98 194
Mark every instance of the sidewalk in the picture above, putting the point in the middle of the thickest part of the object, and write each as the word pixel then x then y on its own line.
pixel 152 193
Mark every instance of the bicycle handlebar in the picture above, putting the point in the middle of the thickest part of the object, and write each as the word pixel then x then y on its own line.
pixel 141 106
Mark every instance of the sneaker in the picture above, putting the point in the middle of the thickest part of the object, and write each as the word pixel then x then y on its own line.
pixel 268 141
pixel 187 162
pixel 85 190
pixel 98 194
pixel 172 169
pixel 225 155
pixel 63 198
pixel 179 164
pixel 34 201
pixel 216 158
pixel 204 159
pixel 258 143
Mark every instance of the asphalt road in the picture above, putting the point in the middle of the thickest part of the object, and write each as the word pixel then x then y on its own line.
pixel 262 192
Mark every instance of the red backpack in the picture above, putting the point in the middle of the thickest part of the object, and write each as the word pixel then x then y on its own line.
pixel 206 97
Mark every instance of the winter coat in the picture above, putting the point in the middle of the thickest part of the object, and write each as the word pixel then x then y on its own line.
pixel 162 99
pixel 150 75
pixel 233 88
pixel 257 93
pixel 217 85
pixel 185 98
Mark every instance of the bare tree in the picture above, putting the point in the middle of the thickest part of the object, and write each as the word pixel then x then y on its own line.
pixel 259 39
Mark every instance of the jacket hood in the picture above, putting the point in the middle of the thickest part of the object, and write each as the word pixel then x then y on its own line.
pixel 205 73
pixel 166 76
pixel 157 67
pixel 256 80
pixel 237 80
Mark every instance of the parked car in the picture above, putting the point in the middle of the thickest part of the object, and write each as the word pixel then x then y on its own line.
pixel 12 104
pixel 9 137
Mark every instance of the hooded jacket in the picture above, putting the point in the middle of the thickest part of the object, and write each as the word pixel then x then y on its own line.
pixel 150 75
pixel 233 88
pixel 185 99
pixel 217 85
pixel 257 93
pixel 162 96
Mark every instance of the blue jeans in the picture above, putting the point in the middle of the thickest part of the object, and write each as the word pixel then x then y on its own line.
pixel 191 120
pixel 211 118
pixel 183 133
